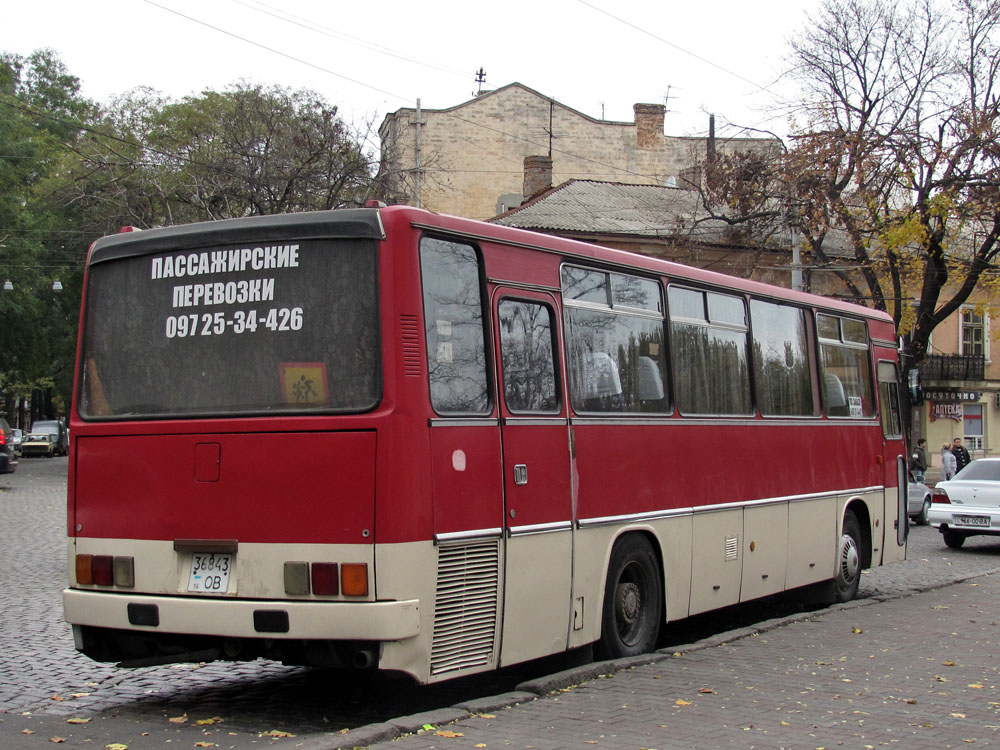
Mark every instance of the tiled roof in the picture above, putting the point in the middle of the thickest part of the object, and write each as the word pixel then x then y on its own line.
pixel 593 207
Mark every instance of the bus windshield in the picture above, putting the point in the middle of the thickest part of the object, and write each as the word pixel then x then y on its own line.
pixel 286 327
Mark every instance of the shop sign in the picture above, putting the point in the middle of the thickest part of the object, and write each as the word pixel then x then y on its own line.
pixel 946 411
pixel 952 396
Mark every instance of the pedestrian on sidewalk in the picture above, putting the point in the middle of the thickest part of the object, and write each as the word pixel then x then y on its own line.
pixel 962 458
pixel 918 460
pixel 948 463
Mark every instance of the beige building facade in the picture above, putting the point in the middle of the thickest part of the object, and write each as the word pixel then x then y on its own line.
pixel 469 160
pixel 960 381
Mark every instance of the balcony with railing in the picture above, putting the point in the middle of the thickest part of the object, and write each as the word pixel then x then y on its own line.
pixel 937 367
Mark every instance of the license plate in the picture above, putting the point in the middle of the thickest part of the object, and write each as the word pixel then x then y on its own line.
pixel 973 520
pixel 210 572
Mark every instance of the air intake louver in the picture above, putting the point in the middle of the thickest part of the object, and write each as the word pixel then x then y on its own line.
pixel 465 608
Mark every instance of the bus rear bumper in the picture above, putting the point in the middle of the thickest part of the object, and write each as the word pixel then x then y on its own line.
pixel 239 618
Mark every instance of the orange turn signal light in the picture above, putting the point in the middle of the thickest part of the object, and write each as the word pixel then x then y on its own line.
pixel 354 579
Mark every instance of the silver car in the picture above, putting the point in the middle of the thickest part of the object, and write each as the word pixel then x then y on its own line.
pixel 918 501
pixel 969 504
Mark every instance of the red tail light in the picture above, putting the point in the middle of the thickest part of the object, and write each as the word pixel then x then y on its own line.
pixel 3 438
pixel 940 496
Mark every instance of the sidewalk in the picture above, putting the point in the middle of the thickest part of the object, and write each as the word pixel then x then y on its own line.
pixel 915 671
pixel 920 671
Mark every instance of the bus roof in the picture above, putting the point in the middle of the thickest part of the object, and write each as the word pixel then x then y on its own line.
pixel 367 223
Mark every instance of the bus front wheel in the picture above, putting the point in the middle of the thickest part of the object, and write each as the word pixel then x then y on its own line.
pixel 633 600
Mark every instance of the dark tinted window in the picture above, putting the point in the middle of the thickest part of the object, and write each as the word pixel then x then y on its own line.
pixel 529 373
pixel 784 376
pixel 616 351
pixel 453 319
pixel 708 347
pixel 286 327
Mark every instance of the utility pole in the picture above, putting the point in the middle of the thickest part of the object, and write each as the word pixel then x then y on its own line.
pixel 416 159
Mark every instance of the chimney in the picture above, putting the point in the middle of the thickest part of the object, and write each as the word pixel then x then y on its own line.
pixel 537 175
pixel 711 139
pixel 649 124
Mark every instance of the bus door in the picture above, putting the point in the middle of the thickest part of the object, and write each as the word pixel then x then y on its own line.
pixel 897 521
pixel 538 508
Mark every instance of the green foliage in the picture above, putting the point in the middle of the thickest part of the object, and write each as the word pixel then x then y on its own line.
pixel 71 171
pixel 41 108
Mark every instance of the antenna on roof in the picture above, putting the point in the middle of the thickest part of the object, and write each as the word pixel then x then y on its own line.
pixel 480 79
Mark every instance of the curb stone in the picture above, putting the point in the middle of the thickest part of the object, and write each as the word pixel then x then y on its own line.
pixel 415 722
pixel 497 702
pixel 370 734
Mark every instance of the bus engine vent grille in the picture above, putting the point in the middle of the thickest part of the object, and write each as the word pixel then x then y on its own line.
pixel 465 606
pixel 409 331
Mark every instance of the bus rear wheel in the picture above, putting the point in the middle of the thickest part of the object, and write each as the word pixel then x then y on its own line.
pixel 848 578
pixel 633 600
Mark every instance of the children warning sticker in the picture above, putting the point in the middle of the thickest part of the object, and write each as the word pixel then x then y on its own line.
pixel 304 383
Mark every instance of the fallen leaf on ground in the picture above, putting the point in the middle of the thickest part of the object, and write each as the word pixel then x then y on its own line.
pixel 276 733
pixel 213 720
pixel 116 746
pixel 57 739
pixel 707 691
pixel 178 719
pixel 682 702
pixel 448 733
pixel 77 720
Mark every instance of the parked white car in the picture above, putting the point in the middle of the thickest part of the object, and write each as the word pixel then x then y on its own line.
pixel 968 504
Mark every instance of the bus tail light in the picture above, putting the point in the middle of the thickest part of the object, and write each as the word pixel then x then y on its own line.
pixel 124 572
pixel 354 579
pixel 325 581
pixel 105 570
pixel 85 569
pixel 940 496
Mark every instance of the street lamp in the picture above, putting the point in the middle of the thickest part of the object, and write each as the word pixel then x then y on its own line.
pixel 8 286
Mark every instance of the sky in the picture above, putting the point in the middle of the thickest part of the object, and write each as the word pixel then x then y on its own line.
pixel 597 56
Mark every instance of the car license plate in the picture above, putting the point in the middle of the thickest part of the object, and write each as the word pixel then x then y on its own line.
pixel 210 572
pixel 973 520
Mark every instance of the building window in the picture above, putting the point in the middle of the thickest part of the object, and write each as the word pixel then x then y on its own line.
pixel 972 422
pixel 973 334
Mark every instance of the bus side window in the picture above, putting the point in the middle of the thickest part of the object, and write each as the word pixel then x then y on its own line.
pixel 847 381
pixel 616 355
pixel 453 320
pixel 526 350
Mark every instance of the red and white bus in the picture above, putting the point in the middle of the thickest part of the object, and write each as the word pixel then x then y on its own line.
pixel 392 439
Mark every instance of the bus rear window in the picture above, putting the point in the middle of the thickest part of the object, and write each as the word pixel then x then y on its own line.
pixel 281 328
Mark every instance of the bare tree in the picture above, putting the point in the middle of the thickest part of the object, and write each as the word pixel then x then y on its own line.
pixel 892 170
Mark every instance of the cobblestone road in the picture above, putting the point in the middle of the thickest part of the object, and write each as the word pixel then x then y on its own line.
pixel 41 672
